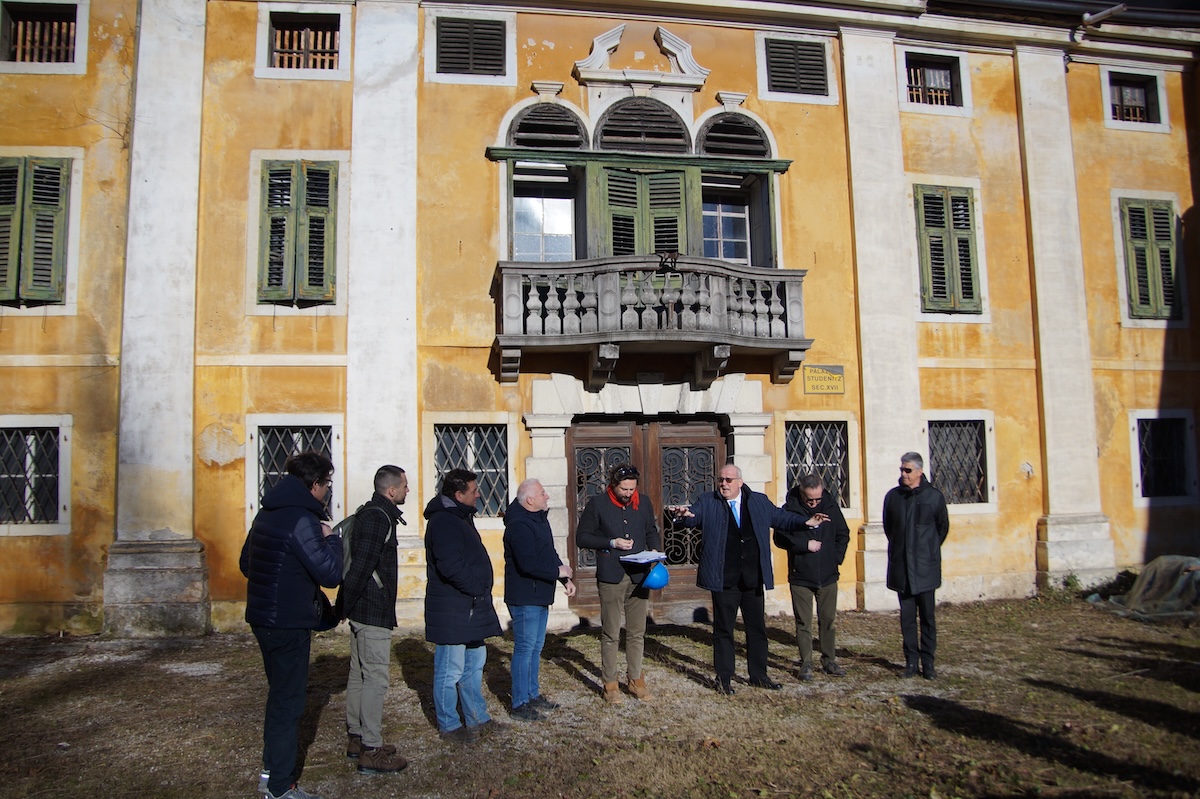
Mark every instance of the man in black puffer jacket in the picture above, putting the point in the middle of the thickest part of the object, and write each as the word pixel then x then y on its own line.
pixel 813 571
pixel 459 613
pixel 287 556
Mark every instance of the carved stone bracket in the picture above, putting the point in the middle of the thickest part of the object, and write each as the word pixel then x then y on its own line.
pixel 709 363
pixel 601 362
pixel 510 364
pixel 785 364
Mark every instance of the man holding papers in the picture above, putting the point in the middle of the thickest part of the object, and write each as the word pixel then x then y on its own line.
pixel 621 521
pixel 735 565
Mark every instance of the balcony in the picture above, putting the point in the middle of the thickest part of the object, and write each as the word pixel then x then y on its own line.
pixel 710 310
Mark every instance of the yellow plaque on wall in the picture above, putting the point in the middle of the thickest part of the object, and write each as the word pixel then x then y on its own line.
pixel 824 379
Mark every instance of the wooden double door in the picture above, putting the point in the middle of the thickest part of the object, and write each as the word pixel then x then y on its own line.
pixel 677 461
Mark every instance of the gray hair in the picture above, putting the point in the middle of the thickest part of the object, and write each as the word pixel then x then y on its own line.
pixel 525 489
pixel 736 468
pixel 811 481
pixel 914 458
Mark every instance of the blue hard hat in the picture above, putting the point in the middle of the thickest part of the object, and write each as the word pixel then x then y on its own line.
pixel 658 577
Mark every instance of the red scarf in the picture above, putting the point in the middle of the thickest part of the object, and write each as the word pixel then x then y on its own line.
pixel 633 501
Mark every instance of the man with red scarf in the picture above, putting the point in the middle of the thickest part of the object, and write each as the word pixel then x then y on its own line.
pixel 621 521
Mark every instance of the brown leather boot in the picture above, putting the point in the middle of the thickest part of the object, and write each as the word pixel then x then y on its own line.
pixel 638 687
pixel 612 693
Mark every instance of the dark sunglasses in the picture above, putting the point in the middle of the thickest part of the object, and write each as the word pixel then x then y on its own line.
pixel 626 473
pixel 727 479
pixel 906 469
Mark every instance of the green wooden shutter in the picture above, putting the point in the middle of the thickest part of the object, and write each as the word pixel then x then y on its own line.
pixel 44 230
pixel 664 201
pixel 621 199
pixel 933 232
pixel 946 238
pixel 11 180
pixel 277 233
pixel 1150 259
pixel 315 257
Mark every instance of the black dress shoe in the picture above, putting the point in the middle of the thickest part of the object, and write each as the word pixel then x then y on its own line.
pixel 723 687
pixel 834 670
pixel 910 671
pixel 767 683
pixel 929 672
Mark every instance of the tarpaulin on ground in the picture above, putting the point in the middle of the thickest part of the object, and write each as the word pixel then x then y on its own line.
pixel 1168 588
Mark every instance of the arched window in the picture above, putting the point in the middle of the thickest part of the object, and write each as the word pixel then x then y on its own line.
pixel 642 125
pixel 547 126
pixel 733 134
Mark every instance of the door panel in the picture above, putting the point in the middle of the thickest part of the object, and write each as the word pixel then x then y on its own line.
pixel 677 460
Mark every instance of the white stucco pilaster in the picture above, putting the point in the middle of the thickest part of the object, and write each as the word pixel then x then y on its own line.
pixel 156 580
pixel 1074 534
pixel 381 331
pixel 381 325
pixel 887 286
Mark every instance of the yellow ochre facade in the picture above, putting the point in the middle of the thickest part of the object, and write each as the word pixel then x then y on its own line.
pixel 537 241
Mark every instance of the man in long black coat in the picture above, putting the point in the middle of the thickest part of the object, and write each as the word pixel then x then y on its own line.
pixel 915 521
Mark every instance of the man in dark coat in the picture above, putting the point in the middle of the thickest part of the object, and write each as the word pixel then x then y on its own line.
pixel 813 571
pixel 459 613
pixel 288 555
pixel 621 521
pixel 368 597
pixel 532 569
pixel 915 521
pixel 735 565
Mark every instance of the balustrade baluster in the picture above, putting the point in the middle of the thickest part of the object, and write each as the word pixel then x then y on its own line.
pixel 778 328
pixel 762 327
pixel 629 298
pixel 687 300
pixel 649 300
pixel 704 315
pixel 590 323
pixel 533 308
pixel 553 306
pixel 571 308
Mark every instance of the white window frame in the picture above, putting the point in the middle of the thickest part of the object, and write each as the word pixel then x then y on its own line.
pixel 429 484
pixel 976 187
pixel 1115 197
pixel 1135 461
pixel 254 232
pixel 967 108
pixel 337 453
pixel 831 71
pixel 65 424
pixel 83 12
pixel 854 454
pixel 74 223
pixel 262 50
pixel 989 432
pixel 509 78
pixel 1164 122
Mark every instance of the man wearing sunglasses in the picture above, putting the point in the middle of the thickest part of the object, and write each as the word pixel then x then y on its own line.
pixel 735 565
pixel 915 522
pixel 813 572
pixel 621 521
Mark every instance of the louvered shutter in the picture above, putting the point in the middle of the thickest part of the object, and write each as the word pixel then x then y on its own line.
pixel 796 67
pixel 1150 259
pixel 470 46
pixel 11 182
pixel 933 231
pixel 664 201
pixel 946 237
pixel 621 198
pixel 277 236
pixel 44 228
pixel 962 231
pixel 318 228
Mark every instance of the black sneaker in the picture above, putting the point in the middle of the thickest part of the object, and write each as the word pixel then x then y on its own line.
pixel 542 703
pixel 834 670
pixel 525 712
pixel 461 735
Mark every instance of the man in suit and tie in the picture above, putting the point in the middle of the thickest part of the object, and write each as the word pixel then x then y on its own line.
pixel 735 565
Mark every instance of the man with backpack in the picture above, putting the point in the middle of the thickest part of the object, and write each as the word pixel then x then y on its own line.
pixel 368 600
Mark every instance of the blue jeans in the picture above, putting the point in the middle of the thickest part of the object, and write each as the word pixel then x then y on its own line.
pixel 285 660
pixel 529 636
pixel 458 678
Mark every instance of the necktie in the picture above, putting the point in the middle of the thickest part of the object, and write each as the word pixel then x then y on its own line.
pixel 737 518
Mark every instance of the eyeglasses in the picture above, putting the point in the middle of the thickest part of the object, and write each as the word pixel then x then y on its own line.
pixel 906 469
pixel 626 473
pixel 728 479
pixel 327 482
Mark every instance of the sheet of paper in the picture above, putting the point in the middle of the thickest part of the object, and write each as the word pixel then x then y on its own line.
pixel 645 556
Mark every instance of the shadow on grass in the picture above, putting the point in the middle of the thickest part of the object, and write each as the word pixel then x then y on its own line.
pixel 1148 711
pixel 996 729
pixel 416 669
pixel 326 677
pixel 1166 669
